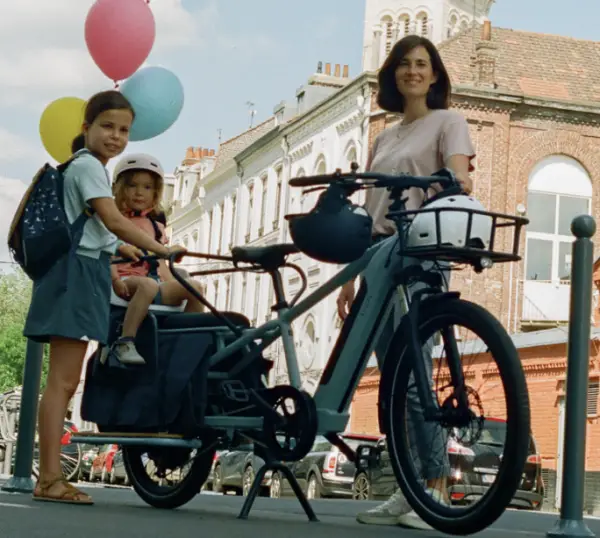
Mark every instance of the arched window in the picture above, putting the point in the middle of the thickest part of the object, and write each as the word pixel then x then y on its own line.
pixel 464 24
pixel 423 24
pixel 233 231
pixel 211 230
pixel 559 190
pixel 388 27
pixel 250 210
pixel 453 25
pixel 404 22
pixel 263 204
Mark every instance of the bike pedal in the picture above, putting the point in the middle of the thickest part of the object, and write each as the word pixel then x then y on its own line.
pixel 235 391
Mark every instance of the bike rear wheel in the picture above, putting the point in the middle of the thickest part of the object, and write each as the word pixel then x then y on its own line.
pixel 437 315
pixel 167 478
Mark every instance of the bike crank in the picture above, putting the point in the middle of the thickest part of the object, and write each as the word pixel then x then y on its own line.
pixel 292 436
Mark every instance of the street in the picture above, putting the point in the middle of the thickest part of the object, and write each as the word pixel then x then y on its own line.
pixel 118 511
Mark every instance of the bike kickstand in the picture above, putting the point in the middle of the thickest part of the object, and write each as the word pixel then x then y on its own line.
pixel 287 473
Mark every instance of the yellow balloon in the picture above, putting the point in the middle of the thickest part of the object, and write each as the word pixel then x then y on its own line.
pixel 60 123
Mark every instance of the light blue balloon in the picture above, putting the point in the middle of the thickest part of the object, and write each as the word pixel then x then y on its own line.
pixel 156 95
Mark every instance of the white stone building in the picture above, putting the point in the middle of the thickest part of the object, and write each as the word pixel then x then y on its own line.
pixel 240 195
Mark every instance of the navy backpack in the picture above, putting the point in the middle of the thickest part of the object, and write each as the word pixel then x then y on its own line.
pixel 40 233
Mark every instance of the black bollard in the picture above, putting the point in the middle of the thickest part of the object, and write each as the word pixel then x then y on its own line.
pixel 571 522
pixel 21 481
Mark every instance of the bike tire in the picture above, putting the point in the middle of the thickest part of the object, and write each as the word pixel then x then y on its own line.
pixel 158 496
pixel 395 376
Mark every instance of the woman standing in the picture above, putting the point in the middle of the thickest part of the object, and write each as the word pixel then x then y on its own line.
pixel 414 82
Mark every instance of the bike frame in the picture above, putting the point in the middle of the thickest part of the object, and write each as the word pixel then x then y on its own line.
pixel 362 332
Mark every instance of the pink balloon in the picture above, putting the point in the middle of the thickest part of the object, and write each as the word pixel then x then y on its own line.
pixel 119 35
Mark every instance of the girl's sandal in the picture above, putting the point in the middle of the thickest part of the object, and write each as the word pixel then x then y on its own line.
pixel 69 494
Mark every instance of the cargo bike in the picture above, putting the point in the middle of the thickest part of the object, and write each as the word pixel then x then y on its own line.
pixel 204 386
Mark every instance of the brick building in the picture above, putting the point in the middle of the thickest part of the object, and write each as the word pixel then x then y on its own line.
pixel 533 104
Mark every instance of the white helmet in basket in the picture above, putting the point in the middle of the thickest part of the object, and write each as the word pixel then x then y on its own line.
pixel 453 224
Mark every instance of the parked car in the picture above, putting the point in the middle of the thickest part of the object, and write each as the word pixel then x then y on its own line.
pixel 324 471
pixel 209 484
pixel 88 454
pixel 473 469
pixel 102 463
pixel 117 474
pixel 234 471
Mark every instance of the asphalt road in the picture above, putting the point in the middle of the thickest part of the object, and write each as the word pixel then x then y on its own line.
pixel 119 512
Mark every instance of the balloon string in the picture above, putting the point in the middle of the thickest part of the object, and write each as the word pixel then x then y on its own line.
pixel 116 85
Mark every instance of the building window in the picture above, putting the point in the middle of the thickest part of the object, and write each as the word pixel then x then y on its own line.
pixel 211 222
pixel 250 208
pixel 423 24
pixel 592 398
pixel 256 298
pixel 263 209
pixel 405 25
pixel 278 189
pixel 388 26
pixel 244 292
pixel 227 293
pixel 453 27
pixel 232 233
pixel 222 230
pixel 559 190
pixel 216 301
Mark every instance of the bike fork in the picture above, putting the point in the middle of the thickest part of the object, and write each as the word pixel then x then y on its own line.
pixel 422 378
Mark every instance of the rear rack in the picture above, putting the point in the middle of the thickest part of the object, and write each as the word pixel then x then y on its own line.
pixel 471 253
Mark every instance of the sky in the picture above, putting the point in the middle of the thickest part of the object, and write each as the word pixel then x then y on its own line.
pixel 225 52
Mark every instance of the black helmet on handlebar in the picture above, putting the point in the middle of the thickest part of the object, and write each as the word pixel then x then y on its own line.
pixel 335 230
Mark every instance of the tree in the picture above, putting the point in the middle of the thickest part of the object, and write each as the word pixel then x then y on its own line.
pixel 15 295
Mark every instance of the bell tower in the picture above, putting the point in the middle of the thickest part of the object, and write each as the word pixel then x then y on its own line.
pixel 387 21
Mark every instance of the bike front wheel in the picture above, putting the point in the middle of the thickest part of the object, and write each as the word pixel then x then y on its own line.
pixel 458 475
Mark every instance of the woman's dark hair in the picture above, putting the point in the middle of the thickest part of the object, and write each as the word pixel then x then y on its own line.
pixel 390 99
pixel 101 102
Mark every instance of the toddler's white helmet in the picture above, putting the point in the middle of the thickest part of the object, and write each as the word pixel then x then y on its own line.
pixel 453 224
pixel 138 161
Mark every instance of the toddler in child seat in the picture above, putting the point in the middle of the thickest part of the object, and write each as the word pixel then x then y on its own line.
pixel 138 186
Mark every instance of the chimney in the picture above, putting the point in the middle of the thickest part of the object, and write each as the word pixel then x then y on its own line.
pixel 212 153
pixel 486 30
pixel 204 153
pixel 485 58
pixel 189 153
pixel 346 73
pixel 320 67
pixel 337 71
pixel 328 69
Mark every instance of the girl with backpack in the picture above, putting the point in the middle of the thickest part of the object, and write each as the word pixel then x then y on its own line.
pixel 138 187
pixel 70 302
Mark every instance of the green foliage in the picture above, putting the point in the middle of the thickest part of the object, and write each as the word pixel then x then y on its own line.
pixel 15 294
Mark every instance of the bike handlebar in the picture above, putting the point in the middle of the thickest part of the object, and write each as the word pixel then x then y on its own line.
pixel 444 177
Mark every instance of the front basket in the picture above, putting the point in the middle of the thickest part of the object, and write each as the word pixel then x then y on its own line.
pixel 505 232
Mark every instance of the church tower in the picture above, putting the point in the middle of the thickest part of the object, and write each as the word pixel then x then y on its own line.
pixel 387 21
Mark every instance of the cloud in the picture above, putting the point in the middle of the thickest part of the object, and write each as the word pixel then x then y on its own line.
pixel 49 58
pixel 11 192
pixel 14 148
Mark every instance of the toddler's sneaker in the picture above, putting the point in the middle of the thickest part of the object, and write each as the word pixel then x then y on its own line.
pixel 124 349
